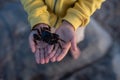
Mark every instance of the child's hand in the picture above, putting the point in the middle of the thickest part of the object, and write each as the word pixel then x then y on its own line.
pixel 40 49
pixel 66 33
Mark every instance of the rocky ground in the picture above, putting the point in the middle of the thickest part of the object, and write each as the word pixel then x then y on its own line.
pixel 99 59
pixel 109 17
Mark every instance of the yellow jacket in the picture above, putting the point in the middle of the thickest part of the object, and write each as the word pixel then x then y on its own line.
pixel 52 12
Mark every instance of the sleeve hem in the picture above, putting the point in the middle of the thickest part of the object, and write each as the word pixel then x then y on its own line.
pixel 72 19
pixel 40 19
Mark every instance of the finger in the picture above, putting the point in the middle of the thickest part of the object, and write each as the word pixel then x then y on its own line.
pixel 74 44
pixel 32 43
pixel 53 53
pixel 50 48
pixel 64 52
pixel 42 60
pixel 54 49
pixel 37 56
pixel 76 53
pixel 46 55
pixel 46 49
pixel 57 53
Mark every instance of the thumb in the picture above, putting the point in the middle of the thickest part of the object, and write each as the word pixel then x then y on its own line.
pixel 74 49
pixel 76 53
pixel 32 44
pixel 74 44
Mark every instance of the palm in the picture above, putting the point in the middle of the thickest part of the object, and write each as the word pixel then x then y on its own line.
pixel 66 33
pixel 39 47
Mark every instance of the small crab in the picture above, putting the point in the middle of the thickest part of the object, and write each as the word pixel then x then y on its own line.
pixel 46 36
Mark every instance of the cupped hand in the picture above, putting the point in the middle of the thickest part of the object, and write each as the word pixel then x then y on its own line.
pixel 67 33
pixel 39 47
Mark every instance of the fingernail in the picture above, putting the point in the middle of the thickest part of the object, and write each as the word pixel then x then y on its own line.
pixel 46 61
pixel 58 59
pixel 42 62
pixel 53 59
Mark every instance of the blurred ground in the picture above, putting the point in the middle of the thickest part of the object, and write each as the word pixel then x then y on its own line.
pixel 100 52
pixel 109 17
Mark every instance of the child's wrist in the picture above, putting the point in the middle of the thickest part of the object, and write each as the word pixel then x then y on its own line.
pixel 68 24
pixel 40 25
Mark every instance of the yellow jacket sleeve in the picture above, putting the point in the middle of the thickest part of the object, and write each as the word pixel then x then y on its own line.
pixel 37 11
pixel 80 14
